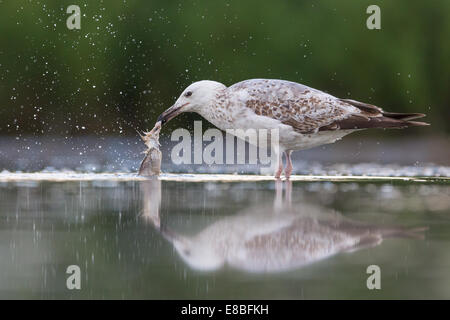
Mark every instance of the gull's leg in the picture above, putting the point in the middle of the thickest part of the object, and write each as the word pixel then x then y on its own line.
pixel 288 169
pixel 280 166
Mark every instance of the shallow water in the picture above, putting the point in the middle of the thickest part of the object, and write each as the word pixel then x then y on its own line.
pixel 356 155
pixel 252 239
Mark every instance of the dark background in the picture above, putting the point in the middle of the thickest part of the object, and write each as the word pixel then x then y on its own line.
pixel 131 59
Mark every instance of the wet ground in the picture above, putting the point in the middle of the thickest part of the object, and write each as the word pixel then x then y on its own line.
pixel 354 155
pixel 219 236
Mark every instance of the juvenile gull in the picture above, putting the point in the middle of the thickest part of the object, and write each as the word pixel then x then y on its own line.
pixel 305 117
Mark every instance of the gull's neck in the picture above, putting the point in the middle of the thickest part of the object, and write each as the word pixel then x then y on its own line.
pixel 213 108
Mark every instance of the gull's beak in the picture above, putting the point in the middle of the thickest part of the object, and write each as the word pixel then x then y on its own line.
pixel 171 113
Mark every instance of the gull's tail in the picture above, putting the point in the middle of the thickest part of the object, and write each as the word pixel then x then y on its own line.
pixel 375 117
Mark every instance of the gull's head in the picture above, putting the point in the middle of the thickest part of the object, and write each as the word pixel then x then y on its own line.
pixel 194 98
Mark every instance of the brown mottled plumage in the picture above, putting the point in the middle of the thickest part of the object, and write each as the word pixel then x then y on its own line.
pixel 308 110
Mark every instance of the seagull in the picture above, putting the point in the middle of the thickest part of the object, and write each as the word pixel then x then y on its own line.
pixel 304 117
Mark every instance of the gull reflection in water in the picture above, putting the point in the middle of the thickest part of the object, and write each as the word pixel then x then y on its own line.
pixel 277 237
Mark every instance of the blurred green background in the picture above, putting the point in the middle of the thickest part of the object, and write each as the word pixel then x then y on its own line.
pixel 131 59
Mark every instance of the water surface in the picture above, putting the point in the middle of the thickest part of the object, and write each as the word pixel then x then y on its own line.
pixel 207 240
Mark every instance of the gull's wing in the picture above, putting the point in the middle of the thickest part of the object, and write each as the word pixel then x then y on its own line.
pixel 309 110
pixel 305 241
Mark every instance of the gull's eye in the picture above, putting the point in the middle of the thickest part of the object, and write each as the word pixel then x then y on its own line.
pixel 188 94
